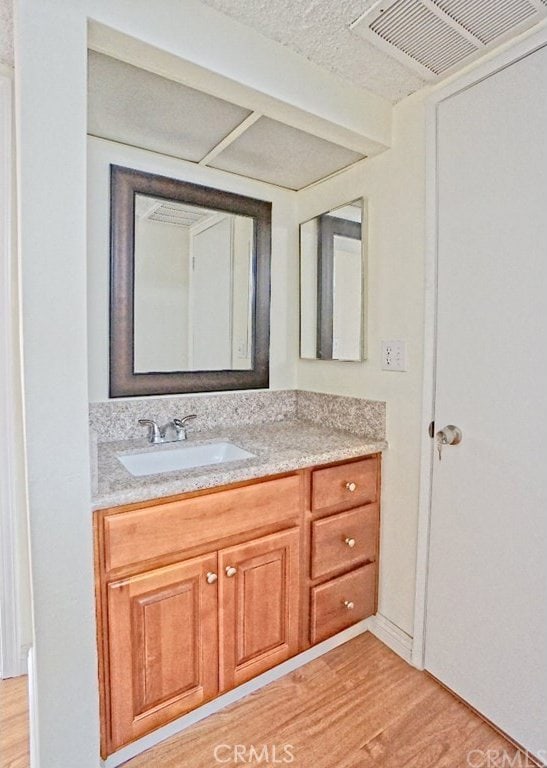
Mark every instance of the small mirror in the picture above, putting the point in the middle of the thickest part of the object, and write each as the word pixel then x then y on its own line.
pixel 332 284
pixel 190 287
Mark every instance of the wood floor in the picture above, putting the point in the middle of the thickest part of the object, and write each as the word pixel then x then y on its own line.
pixel 360 706
pixel 14 739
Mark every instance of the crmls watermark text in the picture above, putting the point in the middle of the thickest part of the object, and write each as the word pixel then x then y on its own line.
pixel 501 758
pixel 252 754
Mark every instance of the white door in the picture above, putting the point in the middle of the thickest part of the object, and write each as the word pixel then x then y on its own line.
pixel 486 617
pixel 211 298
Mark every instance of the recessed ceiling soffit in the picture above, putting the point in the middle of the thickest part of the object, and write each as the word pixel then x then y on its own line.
pixel 133 106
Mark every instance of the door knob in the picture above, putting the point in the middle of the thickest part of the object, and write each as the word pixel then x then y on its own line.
pixel 211 577
pixel 349 604
pixel 449 435
pixel 351 487
pixel 349 541
pixel 230 570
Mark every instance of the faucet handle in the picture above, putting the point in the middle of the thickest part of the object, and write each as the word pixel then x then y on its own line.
pixel 180 425
pixel 182 422
pixel 154 434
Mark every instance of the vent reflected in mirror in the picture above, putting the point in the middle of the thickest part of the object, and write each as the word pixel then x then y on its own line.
pixel 332 284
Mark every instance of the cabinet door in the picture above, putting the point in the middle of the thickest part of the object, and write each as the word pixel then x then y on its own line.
pixel 163 646
pixel 259 606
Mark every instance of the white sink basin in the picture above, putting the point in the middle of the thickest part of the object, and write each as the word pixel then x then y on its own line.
pixel 182 457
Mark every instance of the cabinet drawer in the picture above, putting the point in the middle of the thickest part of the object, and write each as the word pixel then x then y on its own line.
pixel 341 602
pixel 348 485
pixel 344 540
pixel 161 530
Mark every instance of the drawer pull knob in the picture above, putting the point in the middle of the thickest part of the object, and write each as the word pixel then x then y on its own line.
pixel 349 541
pixel 211 577
pixel 349 604
pixel 351 487
pixel 230 571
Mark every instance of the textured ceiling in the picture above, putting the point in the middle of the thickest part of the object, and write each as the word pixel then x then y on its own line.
pixel 318 30
pixel 6 32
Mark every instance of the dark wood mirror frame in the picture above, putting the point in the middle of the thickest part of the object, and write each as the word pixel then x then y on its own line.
pixel 125 184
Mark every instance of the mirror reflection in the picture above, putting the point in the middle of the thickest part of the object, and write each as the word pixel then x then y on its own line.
pixel 332 284
pixel 193 287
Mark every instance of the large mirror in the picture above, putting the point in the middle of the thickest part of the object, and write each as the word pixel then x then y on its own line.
pixel 333 284
pixel 190 277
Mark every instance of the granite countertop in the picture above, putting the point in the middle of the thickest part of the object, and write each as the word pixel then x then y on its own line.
pixel 277 447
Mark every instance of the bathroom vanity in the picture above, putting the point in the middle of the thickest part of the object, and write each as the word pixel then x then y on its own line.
pixel 200 591
pixel 209 574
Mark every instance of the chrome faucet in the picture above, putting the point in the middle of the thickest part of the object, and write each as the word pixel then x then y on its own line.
pixel 171 432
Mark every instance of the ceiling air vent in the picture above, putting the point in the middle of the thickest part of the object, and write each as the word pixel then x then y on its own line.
pixel 170 212
pixel 436 37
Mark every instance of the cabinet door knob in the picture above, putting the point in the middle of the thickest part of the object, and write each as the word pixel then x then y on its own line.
pixel 349 541
pixel 230 570
pixel 351 487
pixel 211 577
pixel 349 604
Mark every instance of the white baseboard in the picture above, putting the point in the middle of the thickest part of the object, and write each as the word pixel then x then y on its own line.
pixel 392 636
pixel 137 747
pixel 24 660
pixel 18 665
pixel 33 714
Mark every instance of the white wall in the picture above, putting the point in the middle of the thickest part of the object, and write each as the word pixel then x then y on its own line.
pixel 394 185
pixel 284 296
pixel 50 69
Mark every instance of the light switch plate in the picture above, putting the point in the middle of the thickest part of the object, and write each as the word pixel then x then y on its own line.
pixel 394 355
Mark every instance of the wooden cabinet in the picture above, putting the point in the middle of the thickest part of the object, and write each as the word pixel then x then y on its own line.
pixel 163 639
pixel 199 593
pixel 259 598
pixel 169 574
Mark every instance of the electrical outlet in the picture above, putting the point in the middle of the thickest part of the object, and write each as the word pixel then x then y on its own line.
pixel 394 355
